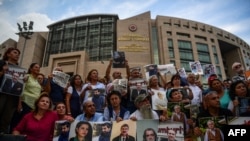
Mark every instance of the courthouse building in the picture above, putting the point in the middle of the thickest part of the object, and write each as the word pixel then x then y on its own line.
pixel 82 43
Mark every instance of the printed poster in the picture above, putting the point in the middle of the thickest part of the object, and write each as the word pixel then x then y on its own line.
pixel 196 67
pixel 170 129
pixel 13 80
pixel 150 70
pixel 168 69
pixel 159 100
pixel 60 78
pixel 119 59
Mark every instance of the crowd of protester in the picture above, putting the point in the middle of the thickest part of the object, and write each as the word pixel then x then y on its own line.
pixel 43 102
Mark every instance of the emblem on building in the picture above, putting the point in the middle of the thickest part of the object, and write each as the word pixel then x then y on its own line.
pixel 132 27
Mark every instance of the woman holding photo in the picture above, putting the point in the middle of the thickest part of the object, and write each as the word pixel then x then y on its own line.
pixel 8 103
pixel 240 95
pixel 187 94
pixel 31 93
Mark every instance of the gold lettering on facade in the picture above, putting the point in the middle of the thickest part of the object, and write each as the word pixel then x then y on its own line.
pixel 133 48
pixel 133 37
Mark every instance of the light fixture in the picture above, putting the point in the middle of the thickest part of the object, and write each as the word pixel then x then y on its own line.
pixel 25 26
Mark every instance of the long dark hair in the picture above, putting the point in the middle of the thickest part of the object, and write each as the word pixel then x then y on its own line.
pixel 31 66
pixel 89 74
pixel 89 135
pixel 72 80
pixel 5 56
pixel 173 77
pixel 232 92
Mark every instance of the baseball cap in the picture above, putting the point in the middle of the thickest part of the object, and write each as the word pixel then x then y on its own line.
pixel 235 64
pixel 140 98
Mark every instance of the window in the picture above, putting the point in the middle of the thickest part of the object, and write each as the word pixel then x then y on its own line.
pixel 184 45
pixel 183 35
pixel 186 55
pixel 214 49
pixel 216 59
pixel 204 57
pixel 202 47
pixel 185 65
pixel 200 38
pixel 170 48
pixel 169 33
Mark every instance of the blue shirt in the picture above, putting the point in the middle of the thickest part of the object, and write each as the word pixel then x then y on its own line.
pixel 98 117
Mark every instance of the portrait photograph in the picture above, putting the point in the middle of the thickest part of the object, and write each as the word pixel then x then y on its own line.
pixel 13 81
pixel 124 129
pixel 101 131
pixel 159 100
pixel 170 130
pixel 147 130
pixel 61 130
pixel 78 127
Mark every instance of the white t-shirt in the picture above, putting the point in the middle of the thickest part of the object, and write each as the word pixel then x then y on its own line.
pixel 97 86
pixel 138 115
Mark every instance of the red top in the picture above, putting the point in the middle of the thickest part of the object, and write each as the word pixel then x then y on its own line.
pixel 38 130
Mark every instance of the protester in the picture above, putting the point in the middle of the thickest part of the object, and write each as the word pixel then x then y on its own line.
pixel 45 83
pixel 38 125
pixel 92 83
pixel 57 92
pixel 186 92
pixel 115 111
pixel 225 101
pixel 31 93
pixel 89 113
pixel 8 103
pixel 144 110
pixel 61 112
pixel 212 107
pixel 197 92
pixel 73 100
pixel 240 95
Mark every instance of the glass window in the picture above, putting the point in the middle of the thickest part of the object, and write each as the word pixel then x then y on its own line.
pixel 216 59
pixel 186 55
pixel 155 45
pixel 184 45
pixel 214 49
pixel 55 47
pixel 81 31
pixel 204 57
pixel 171 53
pixel 66 47
pixel 68 33
pixel 202 47
pixel 170 48
pixel 185 65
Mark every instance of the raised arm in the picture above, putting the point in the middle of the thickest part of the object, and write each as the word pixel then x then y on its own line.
pixel 127 69
pixel 108 70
